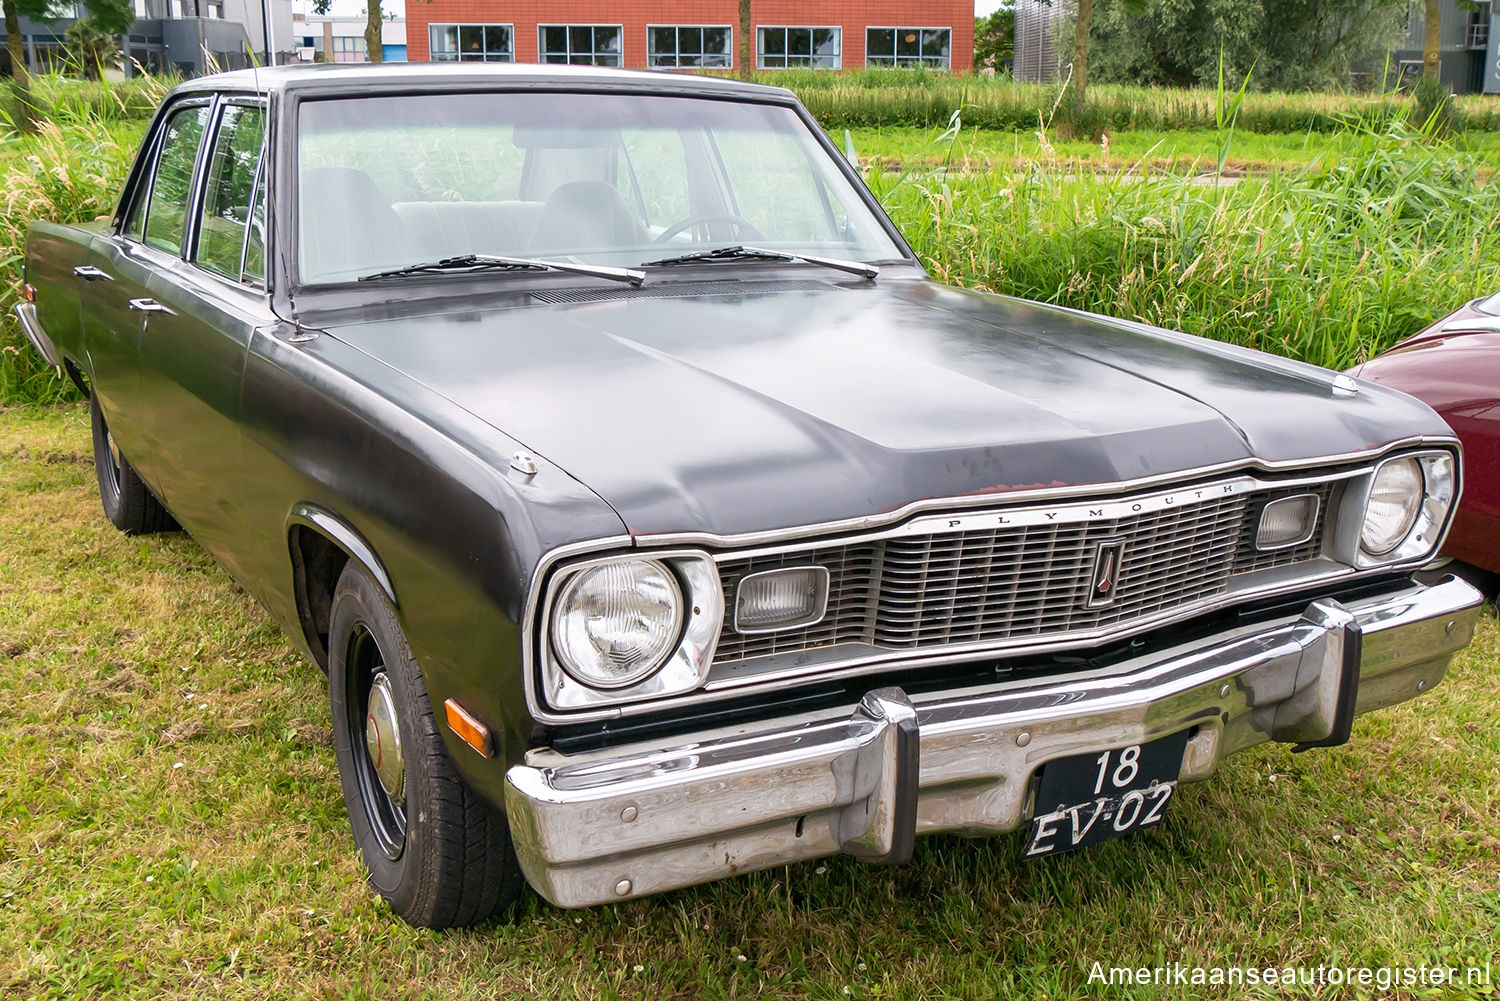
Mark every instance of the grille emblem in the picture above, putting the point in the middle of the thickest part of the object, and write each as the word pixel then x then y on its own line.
pixel 1106 578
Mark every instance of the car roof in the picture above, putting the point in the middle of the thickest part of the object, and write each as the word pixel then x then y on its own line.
pixel 333 78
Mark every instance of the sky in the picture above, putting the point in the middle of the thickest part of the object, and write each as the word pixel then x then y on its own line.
pixel 356 8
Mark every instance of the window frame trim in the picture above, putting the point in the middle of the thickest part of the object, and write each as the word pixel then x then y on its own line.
pixel 895 62
pixel 541 52
pixel 222 102
pixel 678 27
pixel 800 27
pixel 195 180
pixel 473 24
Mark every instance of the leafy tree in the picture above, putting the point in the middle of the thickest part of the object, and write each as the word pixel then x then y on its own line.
pixel 92 49
pixel 110 16
pixel 995 39
pixel 1286 44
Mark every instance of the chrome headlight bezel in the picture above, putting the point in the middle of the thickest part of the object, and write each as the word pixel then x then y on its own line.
pixel 684 666
pixel 1439 475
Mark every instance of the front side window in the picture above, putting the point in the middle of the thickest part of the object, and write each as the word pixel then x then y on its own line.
pixel 682 46
pixel 593 178
pixel 902 48
pixel 581 44
pixel 166 207
pixel 471 43
pixel 229 191
pixel 786 48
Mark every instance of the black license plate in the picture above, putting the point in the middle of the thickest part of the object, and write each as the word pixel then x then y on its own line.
pixel 1090 798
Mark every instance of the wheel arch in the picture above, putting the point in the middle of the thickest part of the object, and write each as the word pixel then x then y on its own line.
pixel 321 544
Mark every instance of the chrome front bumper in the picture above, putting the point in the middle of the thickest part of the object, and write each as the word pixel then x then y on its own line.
pixel 630 821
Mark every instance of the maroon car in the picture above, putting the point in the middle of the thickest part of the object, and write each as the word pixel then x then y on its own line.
pixel 1454 367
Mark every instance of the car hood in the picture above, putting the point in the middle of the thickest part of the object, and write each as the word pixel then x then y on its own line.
pixel 731 408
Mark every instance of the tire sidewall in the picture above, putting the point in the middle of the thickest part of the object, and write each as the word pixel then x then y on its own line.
pixel 105 470
pixel 356 602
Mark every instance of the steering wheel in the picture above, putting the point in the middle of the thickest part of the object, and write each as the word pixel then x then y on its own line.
pixel 746 227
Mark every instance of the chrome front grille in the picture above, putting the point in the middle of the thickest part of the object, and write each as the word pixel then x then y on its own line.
pixel 913 591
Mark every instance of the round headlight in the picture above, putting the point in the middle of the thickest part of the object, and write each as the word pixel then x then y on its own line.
pixel 617 623
pixel 1393 505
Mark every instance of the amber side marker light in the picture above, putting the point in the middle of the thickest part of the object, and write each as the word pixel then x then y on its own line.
pixel 473 732
pixel 29 291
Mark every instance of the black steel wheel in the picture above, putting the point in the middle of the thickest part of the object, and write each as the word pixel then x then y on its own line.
pixel 437 853
pixel 127 501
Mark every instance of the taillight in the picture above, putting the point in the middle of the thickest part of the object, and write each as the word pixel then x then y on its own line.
pixel 29 291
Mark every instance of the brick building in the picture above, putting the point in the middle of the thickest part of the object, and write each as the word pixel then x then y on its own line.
pixel 670 34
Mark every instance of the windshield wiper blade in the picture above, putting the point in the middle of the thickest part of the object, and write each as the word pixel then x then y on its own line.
pixel 740 252
pixel 490 262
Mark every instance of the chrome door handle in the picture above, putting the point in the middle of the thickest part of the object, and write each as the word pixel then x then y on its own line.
pixel 92 274
pixel 148 306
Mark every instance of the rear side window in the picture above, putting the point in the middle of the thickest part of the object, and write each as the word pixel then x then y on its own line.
pixel 166 212
pixel 229 194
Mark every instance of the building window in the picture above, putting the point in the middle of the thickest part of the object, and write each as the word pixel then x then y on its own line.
pixel 905 47
pixel 586 44
pixel 214 10
pixel 349 49
pixel 671 46
pixel 471 43
pixel 817 48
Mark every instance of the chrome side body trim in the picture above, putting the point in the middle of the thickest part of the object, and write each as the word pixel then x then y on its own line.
pixel 623 822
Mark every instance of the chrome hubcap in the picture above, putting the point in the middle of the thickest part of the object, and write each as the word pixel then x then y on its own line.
pixel 383 739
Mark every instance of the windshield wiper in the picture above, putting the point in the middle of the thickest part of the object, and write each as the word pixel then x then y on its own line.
pixel 489 262
pixel 740 252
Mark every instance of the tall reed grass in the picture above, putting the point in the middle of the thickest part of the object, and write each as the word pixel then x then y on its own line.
pixel 69 170
pixel 1328 263
pixel 924 99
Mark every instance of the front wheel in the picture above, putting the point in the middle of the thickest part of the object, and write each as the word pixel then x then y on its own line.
pixel 437 853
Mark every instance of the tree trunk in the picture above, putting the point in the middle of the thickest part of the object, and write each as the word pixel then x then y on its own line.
pixel 17 46
pixel 747 44
pixel 1432 40
pixel 1081 54
pixel 20 77
pixel 372 32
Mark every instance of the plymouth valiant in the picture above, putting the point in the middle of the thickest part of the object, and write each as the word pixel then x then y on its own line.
pixel 657 518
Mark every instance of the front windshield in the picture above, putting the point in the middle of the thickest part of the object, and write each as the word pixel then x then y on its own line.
pixel 603 179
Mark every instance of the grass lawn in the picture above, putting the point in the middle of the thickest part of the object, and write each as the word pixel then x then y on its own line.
pixel 171 826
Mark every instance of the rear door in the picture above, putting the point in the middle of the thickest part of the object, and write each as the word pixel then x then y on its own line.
pixel 117 306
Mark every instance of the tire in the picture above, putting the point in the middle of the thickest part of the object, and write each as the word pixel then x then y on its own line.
pixel 127 501
pixel 438 853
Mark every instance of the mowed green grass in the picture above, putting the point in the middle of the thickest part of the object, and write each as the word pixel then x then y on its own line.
pixel 171 826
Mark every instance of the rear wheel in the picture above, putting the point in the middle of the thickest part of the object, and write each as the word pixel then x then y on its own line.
pixel 127 501
pixel 437 853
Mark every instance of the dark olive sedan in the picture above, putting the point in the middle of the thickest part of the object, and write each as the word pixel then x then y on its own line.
pixel 1454 367
pixel 657 518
